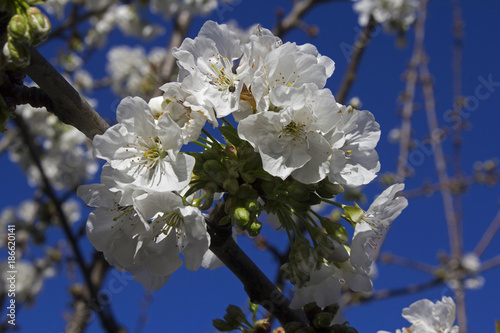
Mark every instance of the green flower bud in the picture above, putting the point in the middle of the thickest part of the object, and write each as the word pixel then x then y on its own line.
pixel 254 229
pixel 314 199
pixel 328 189
pixel 298 192
pixel 18 27
pixel 16 53
pixel 39 25
pixel 246 192
pixel 311 310
pixel 212 167
pixel 248 177
pixel 322 320
pixel 241 216
pixel 335 229
pixel 231 185
pixel 333 309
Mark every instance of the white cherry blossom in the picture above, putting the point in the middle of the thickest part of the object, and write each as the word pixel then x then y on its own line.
pixel 429 317
pixel 354 161
pixel 367 233
pixel 393 14
pixel 290 141
pixel 145 151
pixel 209 60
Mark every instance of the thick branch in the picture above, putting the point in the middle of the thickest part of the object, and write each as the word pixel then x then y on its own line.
pixel 67 104
pixel 258 287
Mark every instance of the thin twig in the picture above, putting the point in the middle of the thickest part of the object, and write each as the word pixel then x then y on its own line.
pixel 409 95
pixel 440 161
pixel 457 106
pixel 413 288
pixel 357 53
pixel 489 264
pixel 389 258
pixel 182 22
pixel 105 315
pixel 488 236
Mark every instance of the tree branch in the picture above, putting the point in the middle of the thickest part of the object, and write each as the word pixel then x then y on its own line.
pixel 258 287
pixel 67 104
pixel 359 48
pixel 104 313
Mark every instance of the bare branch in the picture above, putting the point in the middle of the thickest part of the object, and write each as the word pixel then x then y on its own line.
pixel 359 48
pixel 67 104
pixel 182 22
pixel 488 236
pixel 105 315
pixel 258 287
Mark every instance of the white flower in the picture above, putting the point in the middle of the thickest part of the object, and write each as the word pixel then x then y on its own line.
pixel 187 112
pixel 393 14
pixel 28 280
pixel 288 65
pixel 125 240
pixel 382 212
pixel 65 152
pixel 146 152
pixel 325 285
pixel 290 141
pixel 354 161
pixel 169 218
pixel 428 317
pixel 209 60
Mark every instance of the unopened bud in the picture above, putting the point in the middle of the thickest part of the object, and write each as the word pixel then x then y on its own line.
pixel 39 25
pixel 322 320
pixel 16 53
pixel 18 26
pixel 298 192
pixel 335 229
pixel 212 167
pixel 231 185
pixel 246 192
pixel 328 190
pixel 242 217
pixel 254 229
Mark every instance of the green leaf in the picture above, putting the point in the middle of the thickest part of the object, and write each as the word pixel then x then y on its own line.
pixel 231 135
pixel 497 326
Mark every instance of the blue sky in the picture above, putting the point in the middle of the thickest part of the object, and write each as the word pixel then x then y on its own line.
pixel 190 300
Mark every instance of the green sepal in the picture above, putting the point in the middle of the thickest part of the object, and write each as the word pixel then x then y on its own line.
pixel 353 214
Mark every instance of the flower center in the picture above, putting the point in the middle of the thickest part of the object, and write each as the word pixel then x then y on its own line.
pixel 294 130
pixel 221 75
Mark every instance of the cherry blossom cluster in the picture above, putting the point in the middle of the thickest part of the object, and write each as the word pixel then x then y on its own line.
pixel 394 15
pixel 288 145
pixel 429 317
